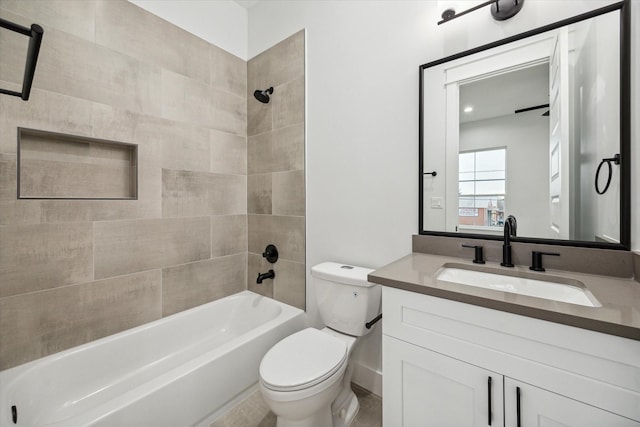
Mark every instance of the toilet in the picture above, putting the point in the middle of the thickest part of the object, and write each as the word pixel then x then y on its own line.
pixel 305 379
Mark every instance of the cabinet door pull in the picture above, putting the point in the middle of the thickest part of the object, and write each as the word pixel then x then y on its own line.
pixel 518 407
pixel 489 399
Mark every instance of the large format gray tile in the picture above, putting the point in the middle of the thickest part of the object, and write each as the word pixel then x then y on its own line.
pixel 176 145
pixel 45 111
pixel 259 193
pixel 228 153
pixel 41 256
pixel 129 246
pixel 288 148
pixel 288 193
pixel 188 151
pixel 189 285
pixel 187 193
pixel 185 100
pixel 78 20
pixel 191 101
pixel 127 28
pixel 228 112
pixel 7 177
pixel 288 106
pixel 286 232
pixel 280 150
pixel 279 64
pixel 228 234
pixel 260 153
pixel 289 284
pixel 82 69
pixel 228 72
pixel 259 115
pixel 41 323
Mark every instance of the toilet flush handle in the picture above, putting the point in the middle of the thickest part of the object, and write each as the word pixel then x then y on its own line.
pixel 368 325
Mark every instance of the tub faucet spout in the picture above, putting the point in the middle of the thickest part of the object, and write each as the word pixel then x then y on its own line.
pixel 268 275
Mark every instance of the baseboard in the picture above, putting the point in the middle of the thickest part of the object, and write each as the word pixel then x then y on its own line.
pixel 368 378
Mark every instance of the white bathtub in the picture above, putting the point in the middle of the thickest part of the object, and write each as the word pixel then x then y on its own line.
pixel 177 371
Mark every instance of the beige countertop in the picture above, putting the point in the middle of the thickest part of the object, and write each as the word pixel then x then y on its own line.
pixel 620 298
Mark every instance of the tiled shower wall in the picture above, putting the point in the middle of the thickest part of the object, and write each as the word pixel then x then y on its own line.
pixel 275 167
pixel 72 271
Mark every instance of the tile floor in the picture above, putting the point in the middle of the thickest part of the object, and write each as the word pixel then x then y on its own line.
pixel 253 412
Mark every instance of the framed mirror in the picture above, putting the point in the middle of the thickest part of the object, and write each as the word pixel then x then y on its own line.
pixel 536 126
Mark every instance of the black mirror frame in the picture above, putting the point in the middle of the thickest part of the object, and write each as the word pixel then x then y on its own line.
pixel 625 130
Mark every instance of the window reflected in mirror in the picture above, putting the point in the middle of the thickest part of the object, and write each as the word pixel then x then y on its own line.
pixel 481 191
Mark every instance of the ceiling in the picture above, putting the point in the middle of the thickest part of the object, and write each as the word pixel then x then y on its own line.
pixel 503 94
pixel 247 4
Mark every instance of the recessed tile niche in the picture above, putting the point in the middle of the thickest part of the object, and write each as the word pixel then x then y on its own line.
pixel 58 166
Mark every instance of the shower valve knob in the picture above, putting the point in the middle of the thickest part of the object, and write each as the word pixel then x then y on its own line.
pixel 271 253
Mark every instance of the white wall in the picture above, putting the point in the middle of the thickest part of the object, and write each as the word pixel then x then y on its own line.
pixel 362 115
pixel 220 22
pixel 526 138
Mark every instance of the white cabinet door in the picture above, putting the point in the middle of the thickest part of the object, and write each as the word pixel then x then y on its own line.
pixel 536 407
pixel 423 388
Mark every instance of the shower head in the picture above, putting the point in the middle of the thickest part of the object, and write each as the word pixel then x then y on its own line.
pixel 263 95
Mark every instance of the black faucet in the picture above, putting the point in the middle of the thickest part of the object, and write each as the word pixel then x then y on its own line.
pixel 268 275
pixel 510 230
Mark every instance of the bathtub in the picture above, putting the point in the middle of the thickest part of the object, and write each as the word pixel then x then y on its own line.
pixel 178 371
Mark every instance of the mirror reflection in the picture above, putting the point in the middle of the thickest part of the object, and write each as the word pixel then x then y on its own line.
pixel 521 129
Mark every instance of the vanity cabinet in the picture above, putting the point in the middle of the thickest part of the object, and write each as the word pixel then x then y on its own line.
pixel 540 408
pixel 425 388
pixel 447 363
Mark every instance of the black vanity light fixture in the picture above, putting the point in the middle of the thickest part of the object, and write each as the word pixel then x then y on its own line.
pixel 501 10
pixel 35 39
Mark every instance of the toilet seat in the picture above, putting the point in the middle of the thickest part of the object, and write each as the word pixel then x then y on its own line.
pixel 302 360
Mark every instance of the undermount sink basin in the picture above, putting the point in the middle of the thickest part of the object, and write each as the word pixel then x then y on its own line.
pixel 572 293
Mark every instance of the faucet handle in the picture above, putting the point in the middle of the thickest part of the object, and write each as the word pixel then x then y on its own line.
pixel 536 260
pixel 478 256
pixel 271 253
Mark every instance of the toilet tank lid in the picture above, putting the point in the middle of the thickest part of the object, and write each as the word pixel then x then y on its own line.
pixel 342 273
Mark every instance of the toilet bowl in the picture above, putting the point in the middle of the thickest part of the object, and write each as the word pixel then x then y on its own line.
pixel 306 378
pixel 302 375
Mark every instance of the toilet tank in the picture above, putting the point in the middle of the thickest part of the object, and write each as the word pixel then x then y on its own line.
pixel 346 300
